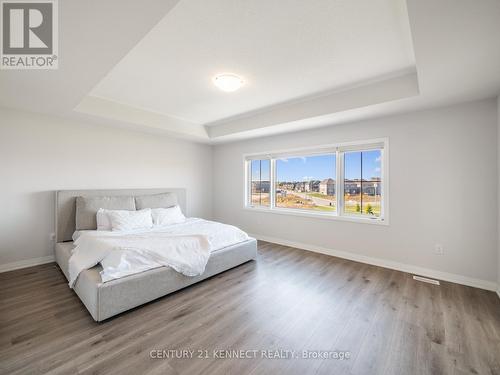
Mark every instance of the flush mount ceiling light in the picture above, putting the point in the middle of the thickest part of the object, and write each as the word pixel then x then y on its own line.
pixel 228 82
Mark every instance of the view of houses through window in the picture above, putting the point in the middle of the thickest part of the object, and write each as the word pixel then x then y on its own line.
pixel 362 182
pixel 310 182
pixel 260 182
pixel 306 182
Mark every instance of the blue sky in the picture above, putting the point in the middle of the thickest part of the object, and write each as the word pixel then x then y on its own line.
pixel 257 165
pixel 306 168
pixel 321 167
pixel 371 164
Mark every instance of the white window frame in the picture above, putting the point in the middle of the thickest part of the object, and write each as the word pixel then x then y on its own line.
pixel 338 149
pixel 248 182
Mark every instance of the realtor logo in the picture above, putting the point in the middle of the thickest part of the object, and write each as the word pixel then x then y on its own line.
pixel 29 34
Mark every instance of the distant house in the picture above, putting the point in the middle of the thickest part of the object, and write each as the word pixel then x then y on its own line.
pixel 261 186
pixel 370 187
pixel 352 187
pixel 313 186
pixel 327 187
pixel 301 186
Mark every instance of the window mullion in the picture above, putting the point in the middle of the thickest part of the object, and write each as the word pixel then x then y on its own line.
pixel 260 182
pixel 361 183
pixel 272 184
pixel 382 183
pixel 340 183
pixel 249 184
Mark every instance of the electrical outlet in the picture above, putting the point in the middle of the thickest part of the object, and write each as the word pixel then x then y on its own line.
pixel 438 249
pixel 52 237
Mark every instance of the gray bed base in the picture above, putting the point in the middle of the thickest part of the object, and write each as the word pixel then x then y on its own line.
pixel 104 300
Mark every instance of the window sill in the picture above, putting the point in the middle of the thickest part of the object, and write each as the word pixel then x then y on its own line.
pixel 317 215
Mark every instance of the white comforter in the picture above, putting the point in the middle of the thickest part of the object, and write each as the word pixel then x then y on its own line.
pixel 185 247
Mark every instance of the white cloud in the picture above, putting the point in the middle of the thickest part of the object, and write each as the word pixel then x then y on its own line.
pixel 379 158
pixel 377 169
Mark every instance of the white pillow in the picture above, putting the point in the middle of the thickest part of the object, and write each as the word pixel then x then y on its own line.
pixel 167 216
pixel 102 219
pixel 123 220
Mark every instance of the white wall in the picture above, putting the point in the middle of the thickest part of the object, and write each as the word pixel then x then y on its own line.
pixel 443 185
pixel 40 154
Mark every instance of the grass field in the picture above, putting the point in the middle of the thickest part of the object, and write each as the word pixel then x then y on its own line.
pixel 323 196
pixel 352 206
pixel 300 203
pixel 262 199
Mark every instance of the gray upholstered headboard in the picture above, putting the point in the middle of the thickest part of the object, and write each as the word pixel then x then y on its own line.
pixel 66 205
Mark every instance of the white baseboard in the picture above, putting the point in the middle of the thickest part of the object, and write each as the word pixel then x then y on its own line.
pixel 427 272
pixel 25 263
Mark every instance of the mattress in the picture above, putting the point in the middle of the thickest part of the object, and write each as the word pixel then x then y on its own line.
pixel 155 247
pixel 63 253
pixel 104 300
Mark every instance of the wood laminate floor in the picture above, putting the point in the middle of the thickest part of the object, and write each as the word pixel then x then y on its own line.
pixel 288 300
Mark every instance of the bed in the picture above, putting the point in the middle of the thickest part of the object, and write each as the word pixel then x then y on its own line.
pixel 106 299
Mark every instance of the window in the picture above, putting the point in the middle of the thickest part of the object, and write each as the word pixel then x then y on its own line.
pixel 306 183
pixel 362 183
pixel 335 181
pixel 260 182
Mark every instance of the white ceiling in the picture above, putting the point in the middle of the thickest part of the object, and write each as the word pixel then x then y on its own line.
pixel 307 63
pixel 92 39
pixel 284 49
